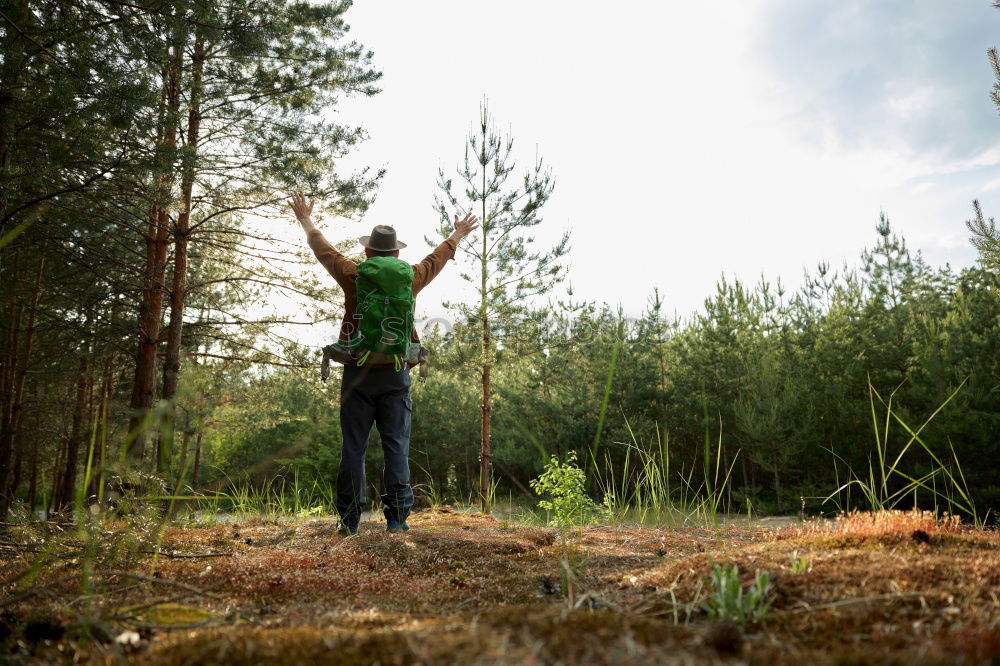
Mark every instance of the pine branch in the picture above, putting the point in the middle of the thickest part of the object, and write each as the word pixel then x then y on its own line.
pixel 985 235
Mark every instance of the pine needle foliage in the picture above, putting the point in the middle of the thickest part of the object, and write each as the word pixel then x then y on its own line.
pixel 985 235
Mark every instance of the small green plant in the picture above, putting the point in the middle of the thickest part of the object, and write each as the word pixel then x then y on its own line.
pixel 317 511
pixel 798 563
pixel 564 483
pixel 430 494
pixel 728 599
pixel 572 566
pixel 430 491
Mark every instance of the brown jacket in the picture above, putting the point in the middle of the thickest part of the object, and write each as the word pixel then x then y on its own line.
pixel 345 272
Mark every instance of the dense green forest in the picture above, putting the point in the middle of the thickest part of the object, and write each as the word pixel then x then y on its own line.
pixel 145 151
pixel 782 377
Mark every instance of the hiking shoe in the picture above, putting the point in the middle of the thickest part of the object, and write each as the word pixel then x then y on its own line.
pixel 346 530
pixel 395 527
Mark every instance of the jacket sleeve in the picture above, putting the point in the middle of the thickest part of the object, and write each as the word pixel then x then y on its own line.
pixel 432 264
pixel 340 267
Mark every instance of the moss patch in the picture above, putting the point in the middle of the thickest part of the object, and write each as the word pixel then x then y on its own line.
pixel 169 615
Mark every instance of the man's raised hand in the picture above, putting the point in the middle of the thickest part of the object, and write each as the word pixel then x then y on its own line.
pixel 465 226
pixel 302 208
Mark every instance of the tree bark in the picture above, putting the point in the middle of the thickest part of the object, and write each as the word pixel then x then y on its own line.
pixel 172 364
pixel 777 485
pixel 33 480
pixel 197 461
pixel 484 453
pixel 185 446
pixel 13 66
pixel 99 456
pixel 468 468
pixel 50 505
pixel 144 381
pixel 7 375
pixel 13 417
pixel 15 481
pixel 77 435
pixel 10 326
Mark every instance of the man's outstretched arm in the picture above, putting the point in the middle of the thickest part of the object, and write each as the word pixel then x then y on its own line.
pixel 339 266
pixel 432 264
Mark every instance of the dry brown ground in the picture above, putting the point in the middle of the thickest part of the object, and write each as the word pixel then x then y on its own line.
pixel 464 589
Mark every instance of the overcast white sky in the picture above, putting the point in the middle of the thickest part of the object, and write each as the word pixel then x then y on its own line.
pixel 692 139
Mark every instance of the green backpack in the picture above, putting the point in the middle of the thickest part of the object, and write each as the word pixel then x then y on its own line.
pixel 384 315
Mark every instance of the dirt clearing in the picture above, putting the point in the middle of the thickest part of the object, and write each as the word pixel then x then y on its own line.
pixel 464 589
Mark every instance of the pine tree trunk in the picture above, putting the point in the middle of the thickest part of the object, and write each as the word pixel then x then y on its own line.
pixel 172 364
pixel 12 331
pixel 182 466
pixel 67 487
pixel 10 88
pixel 99 457
pixel 144 382
pixel 777 486
pixel 13 417
pixel 33 481
pixel 185 446
pixel 10 326
pixel 197 461
pixel 468 469
pixel 50 505
pixel 17 466
pixel 484 454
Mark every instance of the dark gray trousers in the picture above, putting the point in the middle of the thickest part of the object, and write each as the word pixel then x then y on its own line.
pixel 379 396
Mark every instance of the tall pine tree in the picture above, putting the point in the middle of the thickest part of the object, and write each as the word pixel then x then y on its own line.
pixel 505 266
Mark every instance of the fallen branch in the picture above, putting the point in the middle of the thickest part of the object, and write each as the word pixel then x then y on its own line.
pixel 177 627
pixel 45 589
pixel 849 602
pixel 30 592
pixel 160 581
pixel 21 547
pixel 184 556
pixel 135 612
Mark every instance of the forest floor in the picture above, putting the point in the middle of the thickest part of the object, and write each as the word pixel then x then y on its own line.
pixel 461 588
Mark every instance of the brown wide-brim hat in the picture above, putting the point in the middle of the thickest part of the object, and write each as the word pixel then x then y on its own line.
pixel 382 238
